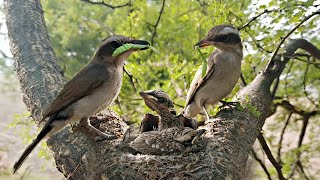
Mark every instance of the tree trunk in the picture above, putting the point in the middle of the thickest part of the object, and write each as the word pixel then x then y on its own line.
pixel 226 143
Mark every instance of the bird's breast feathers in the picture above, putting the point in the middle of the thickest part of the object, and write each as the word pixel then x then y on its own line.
pixel 101 97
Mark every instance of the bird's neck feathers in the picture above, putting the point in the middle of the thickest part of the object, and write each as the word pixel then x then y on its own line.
pixel 166 114
pixel 107 61
pixel 236 50
pixel 168 120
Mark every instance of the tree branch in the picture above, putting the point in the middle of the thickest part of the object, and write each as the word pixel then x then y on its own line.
pixel 302 170
pixel 108 5
pixel 256 17
pixel 286 80
pixel 301 137
pixel 305 87
pixel 157 22
pixel 4 54
pixel 275 52
pixel 243 81
pixel 275 88
pixel 287 105
pixel 263 166
pixel 131 79
pixel 281 137
pixel 274 162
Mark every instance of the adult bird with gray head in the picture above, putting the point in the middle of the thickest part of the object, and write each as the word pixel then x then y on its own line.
pixel 223 70
pixel 92 89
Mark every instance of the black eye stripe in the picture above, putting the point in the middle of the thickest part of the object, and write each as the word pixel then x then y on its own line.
pixel 114 44
pixel 228 38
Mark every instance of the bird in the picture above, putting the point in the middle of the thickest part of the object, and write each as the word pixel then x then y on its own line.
pixel 171 136
pixel 91 90
pixel 159 101
pixel 167 141
pixel 223 70
pixel 149 122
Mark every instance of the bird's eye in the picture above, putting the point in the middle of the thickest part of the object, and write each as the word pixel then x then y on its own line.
pixel 114 44
pixel 161 100
pixel 223 38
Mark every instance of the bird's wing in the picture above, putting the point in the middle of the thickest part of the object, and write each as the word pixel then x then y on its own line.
pixel 197 83
pixel 82 84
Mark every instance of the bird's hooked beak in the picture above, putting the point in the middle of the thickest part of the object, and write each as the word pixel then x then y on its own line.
pixel 149 100
pixel 203 43
pixel 141 42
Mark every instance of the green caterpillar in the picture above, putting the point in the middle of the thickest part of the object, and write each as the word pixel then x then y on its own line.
pixel 128 46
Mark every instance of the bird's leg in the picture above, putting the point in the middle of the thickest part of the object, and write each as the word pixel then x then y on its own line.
pixel 86 122
pixel 229 104
pixel 197 135
pixel 206 112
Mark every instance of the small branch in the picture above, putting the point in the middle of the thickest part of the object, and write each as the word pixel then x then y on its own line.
pixel 256 42
pixel 301 137
pixel 117 101
pixel 303 5
pixel 102 25
pixel 157 22
pixel 308 62
pixel 281 137
pixel 108 5
pixel 287 105
pixel 286 80
pixel 257 16
pixel 274 162
pixel 275 88
pixel 275 52
pixel 179 105
pixel 203 3
pixel 243 81
pixel 255 156
pixel 305 87
pixel 131 79
pixel 3 54
pixel 302 170
pixel 303 130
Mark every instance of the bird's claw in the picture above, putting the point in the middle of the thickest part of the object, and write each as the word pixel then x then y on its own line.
pixel 197 136
pixel 228 104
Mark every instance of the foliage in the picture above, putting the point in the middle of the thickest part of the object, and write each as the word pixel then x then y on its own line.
pixel 24 126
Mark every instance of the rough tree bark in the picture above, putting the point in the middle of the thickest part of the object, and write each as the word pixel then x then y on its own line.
pixel 227 141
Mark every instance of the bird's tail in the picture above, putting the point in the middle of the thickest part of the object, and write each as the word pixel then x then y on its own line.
pixel 29 149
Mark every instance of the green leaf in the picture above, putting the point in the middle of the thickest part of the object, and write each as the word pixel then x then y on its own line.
pixel 204 63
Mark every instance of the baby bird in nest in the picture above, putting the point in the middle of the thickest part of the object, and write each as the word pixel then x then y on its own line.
pixel 160 102
pixel 172 136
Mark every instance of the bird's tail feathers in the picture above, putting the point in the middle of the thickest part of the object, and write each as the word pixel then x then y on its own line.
pixel 29 149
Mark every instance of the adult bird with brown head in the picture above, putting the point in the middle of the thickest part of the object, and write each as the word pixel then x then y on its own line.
pixel 92 89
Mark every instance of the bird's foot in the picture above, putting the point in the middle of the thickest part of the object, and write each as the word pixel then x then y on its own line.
pixel 101 135
pixel 197 136
pixel 104 137
pixel 228 104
